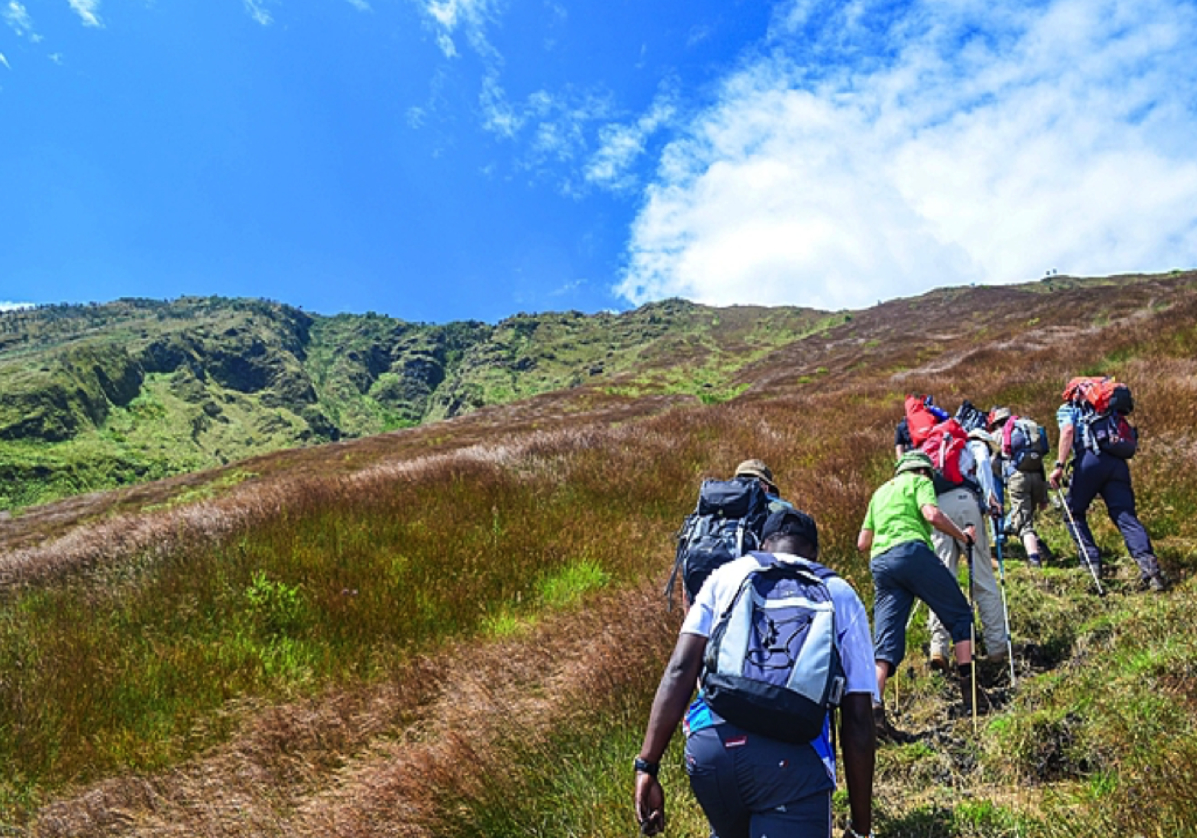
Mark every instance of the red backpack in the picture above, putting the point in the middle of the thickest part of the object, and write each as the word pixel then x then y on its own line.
pixel 943 445
pixel 1101 393
pixel 919 420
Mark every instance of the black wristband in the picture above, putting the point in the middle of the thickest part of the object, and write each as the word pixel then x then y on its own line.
pixel 645 767
pixel 1059 464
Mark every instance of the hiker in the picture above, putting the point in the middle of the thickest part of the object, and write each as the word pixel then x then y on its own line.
pixel 1023 450
pixel 764 475
pixel 897 535
pixel 747 783
pixel 908 435
pixel 1096 471
pixel 966 505
pixel 902 440
pixel 725 524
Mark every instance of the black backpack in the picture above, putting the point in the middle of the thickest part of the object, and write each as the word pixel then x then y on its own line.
pixel 1108 430
pixel 725 524
pixel 971 417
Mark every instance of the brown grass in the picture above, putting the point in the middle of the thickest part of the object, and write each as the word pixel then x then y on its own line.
pixel 400 754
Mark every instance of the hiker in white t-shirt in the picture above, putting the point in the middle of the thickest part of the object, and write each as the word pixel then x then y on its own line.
pixel 747 783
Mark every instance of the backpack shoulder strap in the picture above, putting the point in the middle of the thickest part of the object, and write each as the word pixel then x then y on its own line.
pixel 769 560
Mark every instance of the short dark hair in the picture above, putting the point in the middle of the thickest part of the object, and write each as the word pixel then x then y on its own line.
pixel 792 543
pixel 793 524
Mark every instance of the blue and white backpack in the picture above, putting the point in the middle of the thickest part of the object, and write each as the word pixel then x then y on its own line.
pixel 773 664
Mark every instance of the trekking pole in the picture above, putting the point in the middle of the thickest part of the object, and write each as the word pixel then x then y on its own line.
pixel 1000 527
pixel 1076 537
pixel 972 630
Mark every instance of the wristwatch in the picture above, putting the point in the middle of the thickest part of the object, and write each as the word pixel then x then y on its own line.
pixel 1059 464
pixel 643 766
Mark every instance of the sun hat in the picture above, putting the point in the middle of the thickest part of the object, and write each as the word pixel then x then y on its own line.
pixel 986 437
pixel 757 469
pixel 998 414
pixel 913 461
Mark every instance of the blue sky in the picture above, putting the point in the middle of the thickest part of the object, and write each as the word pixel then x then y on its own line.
pixel 450 159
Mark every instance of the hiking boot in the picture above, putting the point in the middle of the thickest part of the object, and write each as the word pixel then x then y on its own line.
pixel 1034 561
pixel 1045 552
pixel 1156 584
pixel 966 692
pixel 887 732
pixel 998 655
pixel 938 662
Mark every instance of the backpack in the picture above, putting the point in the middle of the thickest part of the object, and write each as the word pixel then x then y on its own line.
pixel 944 445
pixel 922 415
pixel 970 417
pixel 1103 394
pixel 1104 404
pixel 773 664
pixel 725 524
pixel 1114 435
pixel 1024 443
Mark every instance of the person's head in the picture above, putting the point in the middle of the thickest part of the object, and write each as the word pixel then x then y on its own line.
pixel 791 531
pixel 757 469
pixel 915 461
pixel 984 436
pixel 998 417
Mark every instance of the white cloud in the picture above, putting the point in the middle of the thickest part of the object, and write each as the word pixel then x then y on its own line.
pixel 88 11
pixel 4 61
pixel 10 306
pixel 620 145
pixel 956 142
pixel 360 5
pixel 257 10
pixel 470 17
pixel 17 17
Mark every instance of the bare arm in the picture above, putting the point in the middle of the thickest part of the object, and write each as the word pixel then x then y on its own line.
pixel 673 695
pixel 859 738
pixel 1067 435
pixel 864 541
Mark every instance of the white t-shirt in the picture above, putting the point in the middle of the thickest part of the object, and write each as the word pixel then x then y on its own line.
pixel 852 626
pixel 852 621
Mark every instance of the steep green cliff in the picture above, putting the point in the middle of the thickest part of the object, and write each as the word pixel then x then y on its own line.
pixel 98 396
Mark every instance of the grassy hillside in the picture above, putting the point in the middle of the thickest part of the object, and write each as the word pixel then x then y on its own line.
pixel 456 629
pixel 100 396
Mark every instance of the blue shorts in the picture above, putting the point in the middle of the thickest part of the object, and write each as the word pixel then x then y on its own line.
pixel 902 573
pixel 751 786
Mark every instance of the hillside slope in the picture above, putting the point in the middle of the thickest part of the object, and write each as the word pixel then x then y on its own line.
pixel 456 629
pixel 93 397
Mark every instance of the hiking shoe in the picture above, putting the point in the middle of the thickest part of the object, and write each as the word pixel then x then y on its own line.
pixel 1034 560
pixel 1045 552
pixel 966 692
pixel 1156 584
pixel 998 655
pixel 887 732
pixel 938 662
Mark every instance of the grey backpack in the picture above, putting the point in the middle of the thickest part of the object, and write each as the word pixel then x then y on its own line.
pixel 773 663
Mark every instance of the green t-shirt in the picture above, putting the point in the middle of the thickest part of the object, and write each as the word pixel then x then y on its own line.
pixel 896 512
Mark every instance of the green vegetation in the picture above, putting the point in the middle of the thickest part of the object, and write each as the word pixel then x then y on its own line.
pixel 462 636
pixel 101 396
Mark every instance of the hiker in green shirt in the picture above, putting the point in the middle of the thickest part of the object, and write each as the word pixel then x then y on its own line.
pixel 897 534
